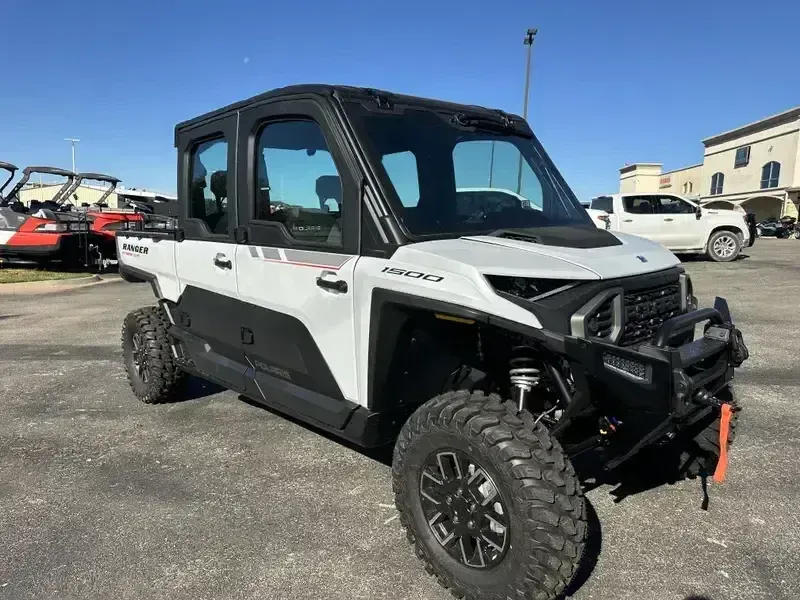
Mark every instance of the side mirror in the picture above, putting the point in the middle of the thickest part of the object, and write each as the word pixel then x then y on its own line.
pixel 698 213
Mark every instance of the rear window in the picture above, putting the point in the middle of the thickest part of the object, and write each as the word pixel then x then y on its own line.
pixel 605 203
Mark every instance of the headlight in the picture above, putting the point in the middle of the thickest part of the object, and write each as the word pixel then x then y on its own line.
pixel 529 289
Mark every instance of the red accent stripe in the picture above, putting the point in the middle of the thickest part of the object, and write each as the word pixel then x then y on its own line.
pixel 304 264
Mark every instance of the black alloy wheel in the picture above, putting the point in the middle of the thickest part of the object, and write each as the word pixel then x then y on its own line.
pixel 140 358
pixel 464 509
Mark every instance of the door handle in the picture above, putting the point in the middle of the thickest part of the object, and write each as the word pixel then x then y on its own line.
pixel 668 219
pixel 334 286
pixel 221 262
pixel 627 220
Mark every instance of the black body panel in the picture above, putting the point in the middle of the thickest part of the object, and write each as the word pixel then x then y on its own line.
pixel 268 356
pixel 214 319
pixel 282 345
pixel 564 237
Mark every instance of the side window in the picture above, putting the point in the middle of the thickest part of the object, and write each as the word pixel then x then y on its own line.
pixel 297 182
pixel 638 205
pixel 605 203
pixel 670 205
pixel 402 170
pixel 208 185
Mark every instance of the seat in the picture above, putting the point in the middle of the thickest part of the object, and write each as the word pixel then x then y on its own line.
pixel 197 196
pixel 218 222
pixel 329 187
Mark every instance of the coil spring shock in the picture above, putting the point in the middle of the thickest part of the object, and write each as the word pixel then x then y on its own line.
pixel 523 375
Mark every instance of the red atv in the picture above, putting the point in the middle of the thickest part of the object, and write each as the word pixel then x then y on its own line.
pixel 41 232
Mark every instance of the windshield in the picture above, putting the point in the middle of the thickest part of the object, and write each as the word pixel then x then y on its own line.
pixel 444 178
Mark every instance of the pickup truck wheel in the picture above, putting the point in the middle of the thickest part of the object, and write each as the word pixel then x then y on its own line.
pixel 724 246
pixel 152 374
pixel 488 499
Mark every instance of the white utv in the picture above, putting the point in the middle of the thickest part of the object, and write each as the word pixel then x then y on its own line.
pixel 328 262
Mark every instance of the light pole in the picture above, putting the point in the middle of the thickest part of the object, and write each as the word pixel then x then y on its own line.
pixel 72 141
pixel 528 41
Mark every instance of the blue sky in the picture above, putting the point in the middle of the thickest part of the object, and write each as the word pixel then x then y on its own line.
pixel 613 82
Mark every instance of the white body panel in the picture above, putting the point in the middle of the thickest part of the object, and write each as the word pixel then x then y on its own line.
pixel 5 236
pixel 158 259
pixel 194 261
pixel 285 281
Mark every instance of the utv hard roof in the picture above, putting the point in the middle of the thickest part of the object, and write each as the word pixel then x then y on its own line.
pixel 49 171
pixel 99 177
pixel 8 166
pixel 340 90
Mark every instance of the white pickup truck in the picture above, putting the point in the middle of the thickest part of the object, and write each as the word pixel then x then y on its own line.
pixel 679 224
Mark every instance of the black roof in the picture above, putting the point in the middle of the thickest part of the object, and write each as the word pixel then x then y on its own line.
pixel 99 177
pixel 49 170
pixel 341 90
pixel 7 166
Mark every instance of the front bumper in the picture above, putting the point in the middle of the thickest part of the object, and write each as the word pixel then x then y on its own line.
pixel 669 382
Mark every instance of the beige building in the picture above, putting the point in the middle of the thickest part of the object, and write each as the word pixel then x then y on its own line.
pixel 756 166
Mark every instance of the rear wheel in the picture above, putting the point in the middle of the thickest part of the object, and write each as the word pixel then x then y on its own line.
pixel 488 499
pixel 724 246
pixel 152 373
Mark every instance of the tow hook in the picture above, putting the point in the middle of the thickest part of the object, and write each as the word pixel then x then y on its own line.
pixel 706 399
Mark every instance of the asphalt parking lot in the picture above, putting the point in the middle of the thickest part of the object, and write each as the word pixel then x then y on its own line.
pixel 102 497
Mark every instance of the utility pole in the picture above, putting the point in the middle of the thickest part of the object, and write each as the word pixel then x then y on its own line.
pixel 72 141
pixel 528 41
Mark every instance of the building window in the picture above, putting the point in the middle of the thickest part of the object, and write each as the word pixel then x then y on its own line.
pixel 770 173
pixel 742 157
pixel 717 179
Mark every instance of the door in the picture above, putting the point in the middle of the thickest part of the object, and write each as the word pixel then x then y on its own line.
pixel 640 217
pixel 207 313
pixel 295 273
pixel 681 229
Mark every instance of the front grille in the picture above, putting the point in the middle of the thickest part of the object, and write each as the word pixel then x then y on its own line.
pixel 645 310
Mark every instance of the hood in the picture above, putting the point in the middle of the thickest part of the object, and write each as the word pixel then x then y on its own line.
pixel 503 256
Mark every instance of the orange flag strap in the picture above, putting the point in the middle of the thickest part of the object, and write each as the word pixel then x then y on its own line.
pixel 724 429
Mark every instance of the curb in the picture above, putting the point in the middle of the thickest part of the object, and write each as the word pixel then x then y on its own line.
pixel 55 285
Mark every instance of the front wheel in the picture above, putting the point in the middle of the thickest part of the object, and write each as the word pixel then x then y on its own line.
pixel 724 246
pixel 488 499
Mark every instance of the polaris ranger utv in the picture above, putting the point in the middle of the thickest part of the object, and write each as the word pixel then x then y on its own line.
pixel 326 264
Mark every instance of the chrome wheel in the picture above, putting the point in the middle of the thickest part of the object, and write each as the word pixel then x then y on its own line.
pixel 464 509
pixel 140 358
pixel 724 246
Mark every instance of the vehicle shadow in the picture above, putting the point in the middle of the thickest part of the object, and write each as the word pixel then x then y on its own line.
pixel 196 388
pixel 640 474
pixel 381 454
